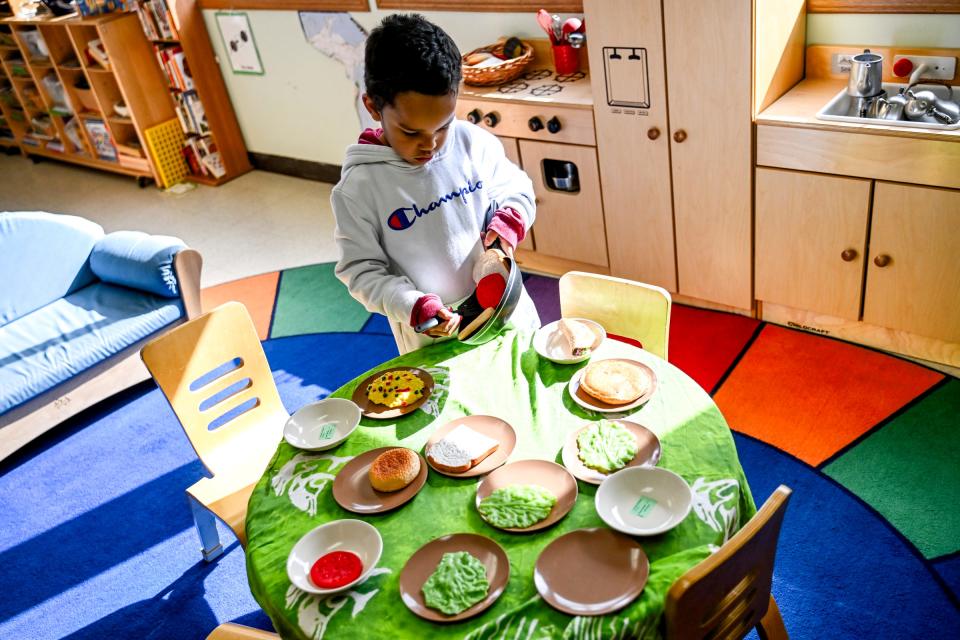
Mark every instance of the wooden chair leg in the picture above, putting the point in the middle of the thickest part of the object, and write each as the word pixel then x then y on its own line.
pixel 771 625
pixel 207 529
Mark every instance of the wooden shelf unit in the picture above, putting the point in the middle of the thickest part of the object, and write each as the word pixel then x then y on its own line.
pixel 209 87
pixel 14 118
pixel 131 79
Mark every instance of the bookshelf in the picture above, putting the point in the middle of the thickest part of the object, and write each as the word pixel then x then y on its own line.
pixel 181 45
pixel 13 122
pixel 85 104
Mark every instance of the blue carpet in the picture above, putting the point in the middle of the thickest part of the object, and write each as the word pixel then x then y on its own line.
pixel 97 540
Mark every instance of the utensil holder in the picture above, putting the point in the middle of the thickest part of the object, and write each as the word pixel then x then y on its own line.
pixel 566 59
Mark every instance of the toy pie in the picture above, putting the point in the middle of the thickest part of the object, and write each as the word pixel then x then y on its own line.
pixel 614 381
pixel 395 389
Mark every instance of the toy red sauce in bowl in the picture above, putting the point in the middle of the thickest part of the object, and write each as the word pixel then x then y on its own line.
pixel 336 569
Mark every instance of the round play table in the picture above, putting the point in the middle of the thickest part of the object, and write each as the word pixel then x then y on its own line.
pixel 505 378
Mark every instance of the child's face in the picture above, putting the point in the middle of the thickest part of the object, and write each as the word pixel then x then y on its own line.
pixel 416 124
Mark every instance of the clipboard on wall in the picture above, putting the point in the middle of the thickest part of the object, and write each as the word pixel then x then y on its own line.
pixel 626 73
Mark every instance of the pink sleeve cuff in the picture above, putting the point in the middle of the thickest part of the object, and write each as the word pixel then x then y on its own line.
pixel 425 308
pixel 509 225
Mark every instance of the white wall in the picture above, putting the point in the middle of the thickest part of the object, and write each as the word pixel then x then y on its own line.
pixel 885 29
pixel 302 107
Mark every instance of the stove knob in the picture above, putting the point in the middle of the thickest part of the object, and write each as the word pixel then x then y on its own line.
pixel 553 124
pixel 475 116
pixel 491 119
pixel 535 123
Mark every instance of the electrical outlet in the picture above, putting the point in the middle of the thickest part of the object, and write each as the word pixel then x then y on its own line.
pixel 841 62
pixel 940 67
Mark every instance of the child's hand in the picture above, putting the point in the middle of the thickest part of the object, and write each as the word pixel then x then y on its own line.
pixel 449 322
pixel 491 236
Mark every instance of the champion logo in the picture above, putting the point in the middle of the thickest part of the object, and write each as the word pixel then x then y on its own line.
pixel 404 217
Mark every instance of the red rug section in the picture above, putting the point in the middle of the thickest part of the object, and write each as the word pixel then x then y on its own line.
pixel 810 396
pixel 704 344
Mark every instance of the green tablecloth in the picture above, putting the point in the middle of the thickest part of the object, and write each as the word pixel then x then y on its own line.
pixel 507 379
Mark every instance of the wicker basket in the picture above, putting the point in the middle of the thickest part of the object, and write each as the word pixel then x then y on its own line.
pixel 503 72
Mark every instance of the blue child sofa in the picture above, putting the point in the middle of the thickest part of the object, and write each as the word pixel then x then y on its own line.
pixel 76 305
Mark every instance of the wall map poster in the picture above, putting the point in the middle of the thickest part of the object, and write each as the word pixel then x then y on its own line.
pixel 626 73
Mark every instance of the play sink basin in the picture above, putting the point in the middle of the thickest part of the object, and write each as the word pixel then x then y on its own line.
pixel 843 108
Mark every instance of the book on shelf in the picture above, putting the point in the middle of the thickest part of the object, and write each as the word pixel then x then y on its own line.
pixel 189 109
pixel 156 20
pixel 100 137
pixel 175 66
pixel 203 157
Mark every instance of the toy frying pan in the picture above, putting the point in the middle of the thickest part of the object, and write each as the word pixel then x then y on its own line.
pixel 480 324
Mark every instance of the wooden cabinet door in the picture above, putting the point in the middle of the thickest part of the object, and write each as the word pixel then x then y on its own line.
pixel 918 290
pixel 805 223
pixel 568 225
pixel 708 56
pixel 512 152
pixel 630 116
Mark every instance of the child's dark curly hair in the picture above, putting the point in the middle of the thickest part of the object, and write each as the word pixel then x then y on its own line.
pixel 408 53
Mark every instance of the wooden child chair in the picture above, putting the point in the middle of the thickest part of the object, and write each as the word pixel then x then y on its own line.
pixel 216 378
pixel 728 594
pixel 623 308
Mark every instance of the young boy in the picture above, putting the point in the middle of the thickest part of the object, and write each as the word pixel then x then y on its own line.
pixel 411 203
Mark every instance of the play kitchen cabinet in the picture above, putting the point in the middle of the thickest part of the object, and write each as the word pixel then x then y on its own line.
pixel 673 122
pixel 856 249
pixel 545 123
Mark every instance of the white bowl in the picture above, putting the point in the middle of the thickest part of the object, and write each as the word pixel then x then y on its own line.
pixel 340 535
pixel 322 425
pixel 643 501
pixel 549 342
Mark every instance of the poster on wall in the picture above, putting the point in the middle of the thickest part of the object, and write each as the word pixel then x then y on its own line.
pixel 238 42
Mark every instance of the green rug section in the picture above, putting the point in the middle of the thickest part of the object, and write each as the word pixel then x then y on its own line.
pixel 908 471
pixel 312 300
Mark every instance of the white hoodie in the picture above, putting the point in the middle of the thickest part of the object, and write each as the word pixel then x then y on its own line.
pixel 406 230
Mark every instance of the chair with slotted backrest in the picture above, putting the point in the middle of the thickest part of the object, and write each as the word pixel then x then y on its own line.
pixel 216 378
pixel 232 631
pixel 623 308
pixel 728 594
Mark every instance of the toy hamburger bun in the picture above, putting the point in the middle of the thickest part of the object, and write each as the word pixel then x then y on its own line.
pixel 614 381
pixel 394 469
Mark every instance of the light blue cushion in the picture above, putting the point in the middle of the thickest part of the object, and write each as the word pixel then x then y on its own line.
pixel 43 257
pixel 137 260
pixel 62 339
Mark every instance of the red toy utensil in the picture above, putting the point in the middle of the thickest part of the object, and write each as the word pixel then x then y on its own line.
pixel 545 20
pixel 490 290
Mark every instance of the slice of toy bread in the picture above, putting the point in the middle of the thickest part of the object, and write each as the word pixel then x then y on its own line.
pixel 461 450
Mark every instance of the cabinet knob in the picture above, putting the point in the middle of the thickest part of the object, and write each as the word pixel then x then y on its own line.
pixel 535 123
pixel 680 135
pixel 475 116
pixel 491 119
pixel 653 133
pixel 849 255
pixel 553 124
pixel 882 260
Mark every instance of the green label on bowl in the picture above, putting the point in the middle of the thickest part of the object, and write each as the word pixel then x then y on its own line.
pixel 327 431
pixel 643 507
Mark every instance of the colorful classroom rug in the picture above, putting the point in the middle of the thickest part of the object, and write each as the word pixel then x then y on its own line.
pixel 97 540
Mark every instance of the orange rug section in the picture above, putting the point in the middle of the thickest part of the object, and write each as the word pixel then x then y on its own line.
pixel 812 397
pixel 258 293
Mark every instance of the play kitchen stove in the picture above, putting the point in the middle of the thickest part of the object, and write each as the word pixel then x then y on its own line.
pixel 544 120
pixel 867 97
